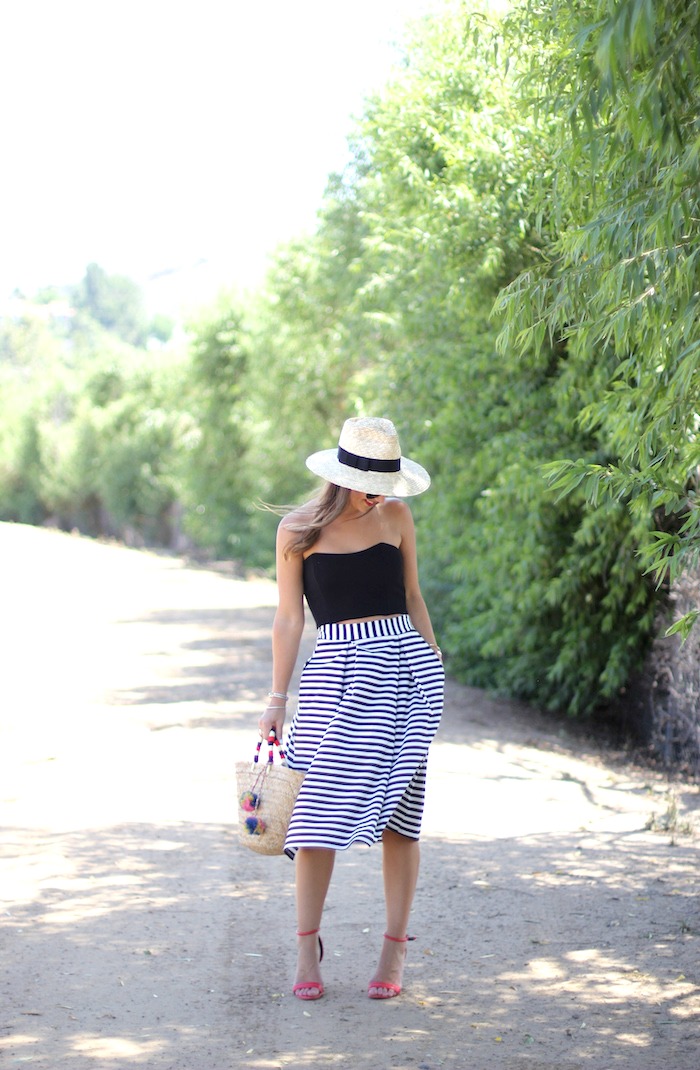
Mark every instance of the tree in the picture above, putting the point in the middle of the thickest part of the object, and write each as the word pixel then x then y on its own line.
pixel 22 475
pixel 619 273
pixel 114 301
pixel 216 482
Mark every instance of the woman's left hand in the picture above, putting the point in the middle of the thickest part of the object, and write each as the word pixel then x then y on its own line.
pixel 272 720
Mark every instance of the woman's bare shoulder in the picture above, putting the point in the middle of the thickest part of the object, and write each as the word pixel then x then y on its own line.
pixel 397 509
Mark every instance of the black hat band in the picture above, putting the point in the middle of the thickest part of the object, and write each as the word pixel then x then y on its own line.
pixel 368 464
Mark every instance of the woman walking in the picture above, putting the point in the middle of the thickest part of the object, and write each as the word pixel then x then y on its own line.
pixel 370 696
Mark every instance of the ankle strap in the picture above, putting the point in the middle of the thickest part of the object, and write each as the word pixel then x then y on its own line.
pixel 398 939
pixel 310 932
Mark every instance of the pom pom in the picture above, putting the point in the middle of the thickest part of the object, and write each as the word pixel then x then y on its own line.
pixel 255 826
pixel 248 801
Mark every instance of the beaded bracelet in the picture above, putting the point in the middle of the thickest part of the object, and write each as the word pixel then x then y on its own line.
pixel 277 694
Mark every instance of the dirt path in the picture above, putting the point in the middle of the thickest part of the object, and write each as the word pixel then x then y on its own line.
pixel 556 929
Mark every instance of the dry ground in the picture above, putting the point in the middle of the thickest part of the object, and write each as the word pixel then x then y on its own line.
pixel 557 917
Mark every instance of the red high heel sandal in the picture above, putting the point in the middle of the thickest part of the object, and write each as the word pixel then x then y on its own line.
pixel 317 985
pixel 394 990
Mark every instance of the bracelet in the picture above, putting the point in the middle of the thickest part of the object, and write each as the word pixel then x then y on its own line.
pixel 275 707
pixel 277 694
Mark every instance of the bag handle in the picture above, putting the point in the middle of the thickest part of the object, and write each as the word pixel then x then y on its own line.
pixel 249 800
pixel 272 742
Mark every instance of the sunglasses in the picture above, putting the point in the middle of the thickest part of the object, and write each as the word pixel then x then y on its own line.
pixel 371 497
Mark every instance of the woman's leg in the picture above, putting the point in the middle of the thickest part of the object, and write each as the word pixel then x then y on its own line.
pixel 401 862
pixel 314 867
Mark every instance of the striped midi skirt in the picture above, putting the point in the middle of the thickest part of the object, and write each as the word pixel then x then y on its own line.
pixel 370 701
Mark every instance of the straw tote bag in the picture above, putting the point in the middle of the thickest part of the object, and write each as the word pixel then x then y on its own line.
pixel 266 797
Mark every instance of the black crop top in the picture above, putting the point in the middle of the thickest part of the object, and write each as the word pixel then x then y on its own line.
pixel 367 583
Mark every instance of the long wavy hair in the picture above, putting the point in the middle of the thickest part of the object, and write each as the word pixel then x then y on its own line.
pixel 314 516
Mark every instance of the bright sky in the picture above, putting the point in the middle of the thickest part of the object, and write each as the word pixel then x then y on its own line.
pixel 151 134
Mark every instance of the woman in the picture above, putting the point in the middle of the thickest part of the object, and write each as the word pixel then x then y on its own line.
pixel 370 697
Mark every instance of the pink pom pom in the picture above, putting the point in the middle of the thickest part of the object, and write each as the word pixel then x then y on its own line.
pixel 248 801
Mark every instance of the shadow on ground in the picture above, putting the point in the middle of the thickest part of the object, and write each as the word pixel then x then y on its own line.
pixel 560 955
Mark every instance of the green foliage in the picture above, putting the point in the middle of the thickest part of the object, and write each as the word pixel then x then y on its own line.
pixel 21 474
pixel 117 467
pixel 684 624
pixel 619 274
pixel 215 475
pixel 115 302
pixel 90 428
pixel 28 349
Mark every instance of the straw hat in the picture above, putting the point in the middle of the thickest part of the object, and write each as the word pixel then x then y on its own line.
pixel 368 458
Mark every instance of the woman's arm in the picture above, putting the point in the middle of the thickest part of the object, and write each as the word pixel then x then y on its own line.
pixel 287 629
pixel 415 603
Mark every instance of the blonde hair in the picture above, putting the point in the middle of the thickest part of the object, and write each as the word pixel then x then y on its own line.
pixel 314 516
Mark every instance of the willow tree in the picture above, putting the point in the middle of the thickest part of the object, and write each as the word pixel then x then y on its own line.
pixel 618 280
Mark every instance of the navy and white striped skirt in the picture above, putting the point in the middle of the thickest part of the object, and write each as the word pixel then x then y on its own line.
pixel 370 700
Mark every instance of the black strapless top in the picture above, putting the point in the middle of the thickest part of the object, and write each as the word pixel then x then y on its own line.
pixel 367 583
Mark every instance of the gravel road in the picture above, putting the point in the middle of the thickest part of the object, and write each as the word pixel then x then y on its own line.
pixel 557 916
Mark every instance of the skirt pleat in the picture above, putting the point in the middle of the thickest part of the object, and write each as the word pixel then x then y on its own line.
pixel 370 700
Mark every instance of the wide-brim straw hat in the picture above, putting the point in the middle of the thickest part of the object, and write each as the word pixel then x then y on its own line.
pixel 368 458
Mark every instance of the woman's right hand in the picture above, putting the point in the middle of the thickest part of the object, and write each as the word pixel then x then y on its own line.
pixel 272 720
